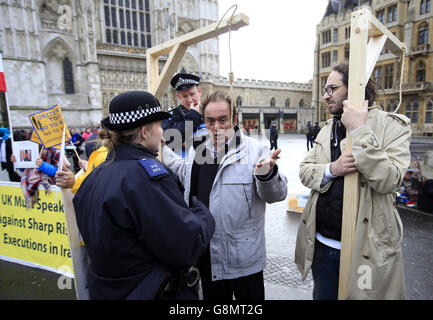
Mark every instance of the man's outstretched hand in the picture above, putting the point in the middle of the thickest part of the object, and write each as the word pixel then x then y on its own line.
pixel 265 167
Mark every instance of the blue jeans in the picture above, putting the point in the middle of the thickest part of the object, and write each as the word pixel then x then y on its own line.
pixel 325 269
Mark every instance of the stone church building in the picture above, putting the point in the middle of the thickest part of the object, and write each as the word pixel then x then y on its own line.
pixel 81 53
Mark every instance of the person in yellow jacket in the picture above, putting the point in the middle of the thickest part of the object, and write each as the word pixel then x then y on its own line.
pixel 95 159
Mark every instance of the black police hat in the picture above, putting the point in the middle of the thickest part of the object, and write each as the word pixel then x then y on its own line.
pixel 133 109
pixel 183 81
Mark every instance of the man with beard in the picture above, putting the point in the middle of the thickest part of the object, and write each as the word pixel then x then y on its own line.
pixel 380 153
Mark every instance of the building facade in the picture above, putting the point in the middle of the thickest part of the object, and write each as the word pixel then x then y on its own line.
pixel 81 53
pixel 411 22
pixel 258 102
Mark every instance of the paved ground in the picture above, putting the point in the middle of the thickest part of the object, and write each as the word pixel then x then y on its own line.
pixel 282 280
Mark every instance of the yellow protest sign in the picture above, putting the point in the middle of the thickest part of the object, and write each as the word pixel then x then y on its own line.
pixel 48 126
pixel 35 237
pixel 34 138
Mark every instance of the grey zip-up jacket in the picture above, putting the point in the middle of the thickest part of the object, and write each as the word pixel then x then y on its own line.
pixel 238 203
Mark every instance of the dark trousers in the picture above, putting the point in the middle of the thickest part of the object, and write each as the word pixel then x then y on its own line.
pixel 309 141
pixel 250 287
pixel 13 176
pixel 325 269
pixel 274 144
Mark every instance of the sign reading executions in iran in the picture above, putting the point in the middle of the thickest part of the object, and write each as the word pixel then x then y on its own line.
pixel 34 237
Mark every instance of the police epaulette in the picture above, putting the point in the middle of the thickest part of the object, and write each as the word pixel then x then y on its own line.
pixel 154 169
pixel 171 109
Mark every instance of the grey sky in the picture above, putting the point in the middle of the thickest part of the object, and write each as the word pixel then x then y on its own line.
pixel 278 44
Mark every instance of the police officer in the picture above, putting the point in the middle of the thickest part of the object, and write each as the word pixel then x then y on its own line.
pixel 189 92
pixel 140 235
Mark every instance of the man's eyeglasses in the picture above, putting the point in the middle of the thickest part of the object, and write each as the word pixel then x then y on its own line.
pixel 330 90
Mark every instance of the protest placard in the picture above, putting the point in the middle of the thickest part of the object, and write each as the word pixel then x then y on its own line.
pixel 34 237
pixel 34 138
pixel 26 154
pixel 48 126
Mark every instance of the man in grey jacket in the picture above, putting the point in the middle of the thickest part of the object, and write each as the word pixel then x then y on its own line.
pixel 235 176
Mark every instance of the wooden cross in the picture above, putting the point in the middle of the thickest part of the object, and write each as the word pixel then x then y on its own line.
pixel 176 48
pixel 363 58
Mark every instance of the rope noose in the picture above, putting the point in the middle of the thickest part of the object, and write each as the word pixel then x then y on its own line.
pixel 231 76
pixel 401 81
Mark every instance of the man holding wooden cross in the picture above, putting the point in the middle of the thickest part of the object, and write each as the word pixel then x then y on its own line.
pixel 380 153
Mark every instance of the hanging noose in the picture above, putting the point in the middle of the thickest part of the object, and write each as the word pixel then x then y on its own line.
pixel 231 74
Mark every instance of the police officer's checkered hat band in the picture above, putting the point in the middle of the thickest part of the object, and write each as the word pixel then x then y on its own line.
pixel 183 82
pixel 133 109
pixel 133 116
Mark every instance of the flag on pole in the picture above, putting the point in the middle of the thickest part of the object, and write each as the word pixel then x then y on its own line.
pixel 62 150
pixel 2 76
pixel 62 153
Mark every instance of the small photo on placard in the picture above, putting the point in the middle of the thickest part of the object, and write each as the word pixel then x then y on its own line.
pixel 26 153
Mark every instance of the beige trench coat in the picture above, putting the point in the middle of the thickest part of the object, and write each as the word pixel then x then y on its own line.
pixel 382 156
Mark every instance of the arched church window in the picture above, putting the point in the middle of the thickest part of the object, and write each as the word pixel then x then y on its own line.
pixel 287 102
pixel 108 36
pixel 273 102
pixel 68 76
pixel 239 101
pixel 135 40
pixel 129 39
pixel 115 39
pixel 128 17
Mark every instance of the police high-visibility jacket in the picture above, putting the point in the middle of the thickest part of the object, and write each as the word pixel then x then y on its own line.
pixel 136 225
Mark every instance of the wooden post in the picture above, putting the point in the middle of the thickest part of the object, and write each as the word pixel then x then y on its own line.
pixel 80 262
pixel 176 48
pixel 363 57
pixel 358 62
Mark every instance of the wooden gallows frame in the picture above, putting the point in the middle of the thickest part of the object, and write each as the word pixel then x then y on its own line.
pixel 176 48
pixel 364 53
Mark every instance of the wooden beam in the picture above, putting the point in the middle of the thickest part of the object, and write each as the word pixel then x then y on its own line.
pixel 363 58
pixel 156 83
pixel 356 94
pixel 169 69
pixel 374 48
pixel 152 72
pixel 80 262
pixel 378 29
pixel 201 34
